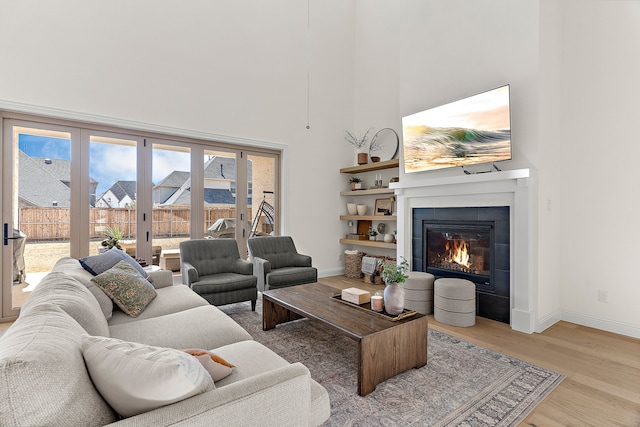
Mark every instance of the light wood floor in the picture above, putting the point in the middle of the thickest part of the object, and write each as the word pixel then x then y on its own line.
pixel 602 387
pixel 602 384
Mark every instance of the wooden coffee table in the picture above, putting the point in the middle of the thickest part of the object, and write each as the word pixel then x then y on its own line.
pixel 385 348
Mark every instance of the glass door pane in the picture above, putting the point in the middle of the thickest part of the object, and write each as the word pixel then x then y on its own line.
pixel 261 187
pixel 113 193
pixel 220 194
pixel 36 207
pixel 171 218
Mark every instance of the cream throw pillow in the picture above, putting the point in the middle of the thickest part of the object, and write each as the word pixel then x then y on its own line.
pixel 135 378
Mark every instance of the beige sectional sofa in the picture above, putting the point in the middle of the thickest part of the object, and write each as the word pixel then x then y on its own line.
pixel 44 380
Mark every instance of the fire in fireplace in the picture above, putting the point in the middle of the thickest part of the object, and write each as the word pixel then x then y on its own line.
pixel 462 248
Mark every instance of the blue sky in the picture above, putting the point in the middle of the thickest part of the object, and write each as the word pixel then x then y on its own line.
pixel 108 162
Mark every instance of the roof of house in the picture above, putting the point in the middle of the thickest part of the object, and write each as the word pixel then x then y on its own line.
pixel 216 168
pixel 59 168
pixel 223 168
pixel 212 196
pixel 123 188
pixel 174 180
pixel 38 186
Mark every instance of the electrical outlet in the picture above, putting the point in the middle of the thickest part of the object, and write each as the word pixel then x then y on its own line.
pixel 340 255
pixel 603 296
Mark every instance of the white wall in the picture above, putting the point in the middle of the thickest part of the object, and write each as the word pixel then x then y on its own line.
pixel 601 108
pixel 574 97
pixel 237 69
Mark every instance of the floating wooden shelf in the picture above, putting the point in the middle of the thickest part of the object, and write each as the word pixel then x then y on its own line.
pixel 369 192
pixel 370 217
pixel 370 243
pixel 387 164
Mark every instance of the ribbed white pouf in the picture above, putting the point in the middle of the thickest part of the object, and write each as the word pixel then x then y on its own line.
pixel 418 292
pixel 454 302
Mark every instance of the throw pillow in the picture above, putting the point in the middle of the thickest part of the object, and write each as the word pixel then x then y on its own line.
pixel 215 365
pixel 97 264
pixel 135 378
pixel 127 288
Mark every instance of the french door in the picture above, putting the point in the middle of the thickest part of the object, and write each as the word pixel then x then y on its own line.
pixel 37 205
pixel 64 186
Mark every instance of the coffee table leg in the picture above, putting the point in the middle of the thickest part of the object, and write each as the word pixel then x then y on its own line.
pixel 386 354
pixel 274 314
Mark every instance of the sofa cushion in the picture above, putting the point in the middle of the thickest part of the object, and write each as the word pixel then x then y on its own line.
pixel 127 288
pixel 287 275
pixel 72 267
pixel 43 378
pixel 136 378
pixel 171 299
pixel 100 263
pixel 74 298
pixel 244 355
pixel 201 327
pixel 215 365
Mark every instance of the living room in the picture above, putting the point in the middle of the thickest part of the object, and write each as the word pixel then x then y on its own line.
pixel 298 74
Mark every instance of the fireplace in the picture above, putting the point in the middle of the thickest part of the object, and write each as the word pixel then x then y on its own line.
pixel 467 243
pixel 459 249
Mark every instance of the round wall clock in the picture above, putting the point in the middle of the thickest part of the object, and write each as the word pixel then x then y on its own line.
pixel 384 144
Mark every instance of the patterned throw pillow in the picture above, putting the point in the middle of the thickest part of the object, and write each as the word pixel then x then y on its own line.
pixel 127 288
pixel 135 378
pixel 98 264
pixel 215 365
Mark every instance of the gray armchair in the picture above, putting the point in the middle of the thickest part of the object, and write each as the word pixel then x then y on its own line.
pixel 278 264
pixel 214 270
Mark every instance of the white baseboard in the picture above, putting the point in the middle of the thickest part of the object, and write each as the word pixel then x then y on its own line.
pixel 548 321
pixel 621 328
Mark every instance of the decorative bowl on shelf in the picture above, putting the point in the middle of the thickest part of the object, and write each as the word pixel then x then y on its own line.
pixel 362 209
pixel 375 159
pixel 352 208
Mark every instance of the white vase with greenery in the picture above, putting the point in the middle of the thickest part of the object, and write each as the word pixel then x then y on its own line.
pixel 393 276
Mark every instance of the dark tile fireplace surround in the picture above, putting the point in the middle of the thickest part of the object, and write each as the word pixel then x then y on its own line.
pixel 471 243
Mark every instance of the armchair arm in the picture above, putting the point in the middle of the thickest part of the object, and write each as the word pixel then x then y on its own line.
pixel 299 260
pixel 279 397
pixel 260 268
pixel 242 266
pixel 189 274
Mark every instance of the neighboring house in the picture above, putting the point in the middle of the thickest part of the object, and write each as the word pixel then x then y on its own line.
pixel 46 182
pixel 219 185
pixel 122 194
pixel 168 186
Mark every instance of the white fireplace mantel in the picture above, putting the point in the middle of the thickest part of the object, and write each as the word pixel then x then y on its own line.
pixel 513 188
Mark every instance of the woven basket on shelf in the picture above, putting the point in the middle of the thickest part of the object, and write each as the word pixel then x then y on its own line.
pixel 353 265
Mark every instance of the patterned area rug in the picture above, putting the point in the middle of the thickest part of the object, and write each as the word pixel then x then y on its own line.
pixel 462 384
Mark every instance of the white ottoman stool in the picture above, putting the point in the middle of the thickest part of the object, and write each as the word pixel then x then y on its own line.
pixel 454 302
pixel 418 292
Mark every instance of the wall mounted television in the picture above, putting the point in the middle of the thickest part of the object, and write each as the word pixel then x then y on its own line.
pixel 472 130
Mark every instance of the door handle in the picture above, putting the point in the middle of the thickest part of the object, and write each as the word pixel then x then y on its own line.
pixel 6 235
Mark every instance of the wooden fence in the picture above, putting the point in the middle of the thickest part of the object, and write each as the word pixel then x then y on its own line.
pixel 54 223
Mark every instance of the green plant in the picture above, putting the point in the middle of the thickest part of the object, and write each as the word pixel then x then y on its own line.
pixel 355 179
pixel 113 236
pixel 372 232
pixel 354 140
pixel 395 273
